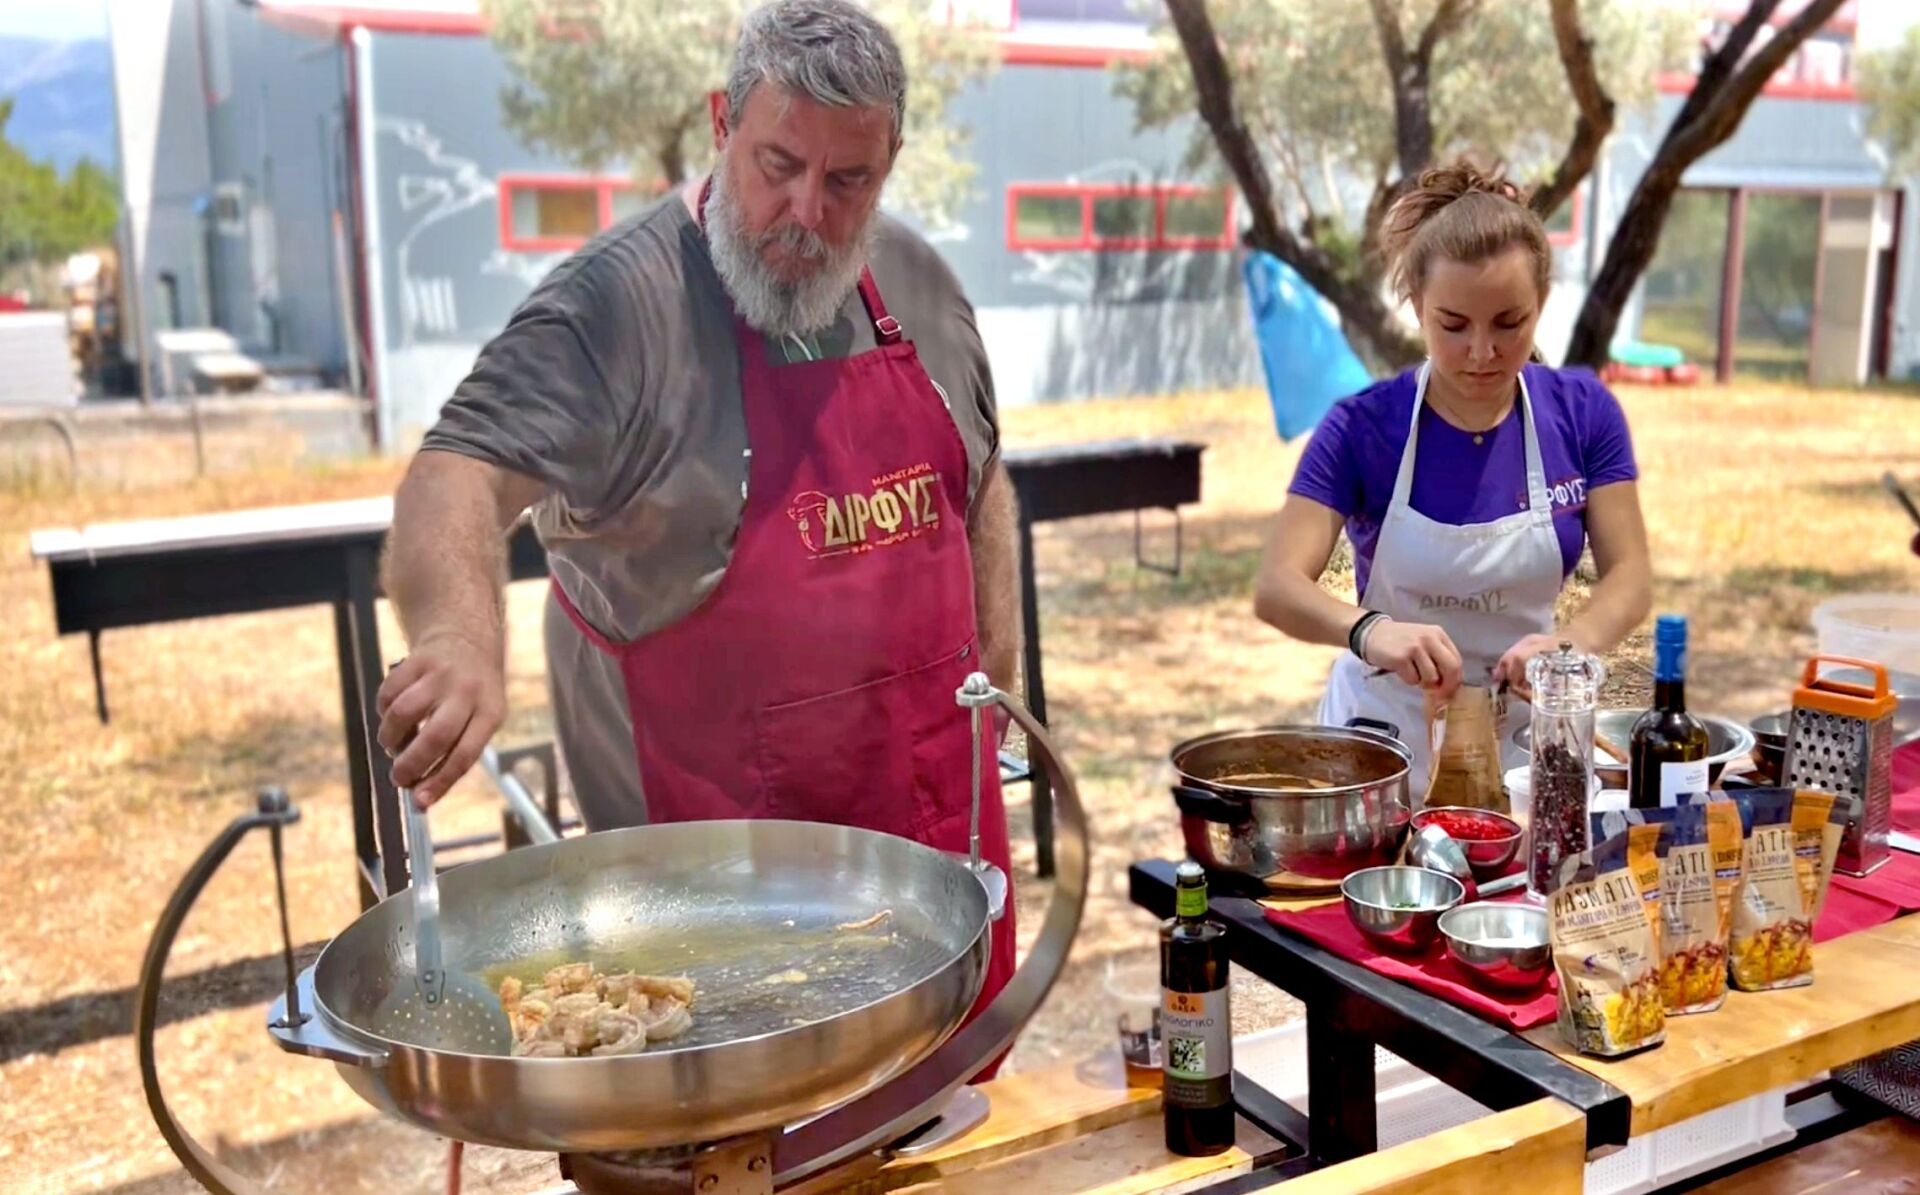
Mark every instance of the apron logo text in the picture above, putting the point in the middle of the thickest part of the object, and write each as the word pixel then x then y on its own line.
pixel 900 506
pixel 1491 601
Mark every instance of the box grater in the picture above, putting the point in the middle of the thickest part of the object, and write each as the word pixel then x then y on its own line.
pixel 1840 741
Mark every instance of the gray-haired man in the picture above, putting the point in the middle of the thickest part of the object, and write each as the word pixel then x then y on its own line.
pixel 779 532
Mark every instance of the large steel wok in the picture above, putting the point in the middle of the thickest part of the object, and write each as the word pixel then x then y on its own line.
pixel 844 1038
pixel 744 908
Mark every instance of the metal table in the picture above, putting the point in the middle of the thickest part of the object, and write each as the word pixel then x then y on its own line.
pixel 164 570
pixel 1350 1010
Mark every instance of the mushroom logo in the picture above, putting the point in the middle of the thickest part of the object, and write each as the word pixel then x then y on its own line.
pixel 809 511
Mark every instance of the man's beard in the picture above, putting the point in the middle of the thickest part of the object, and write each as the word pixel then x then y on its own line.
pixel 771 304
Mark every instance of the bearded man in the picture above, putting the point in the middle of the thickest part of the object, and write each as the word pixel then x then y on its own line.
pixel 779 531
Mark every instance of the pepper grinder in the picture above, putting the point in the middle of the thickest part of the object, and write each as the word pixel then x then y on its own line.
pixel 1566 691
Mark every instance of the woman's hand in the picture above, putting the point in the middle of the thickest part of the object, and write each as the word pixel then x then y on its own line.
pixel 1512 667
pixel 1420 654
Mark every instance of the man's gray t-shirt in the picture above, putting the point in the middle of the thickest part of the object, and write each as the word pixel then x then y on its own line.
pixel 617 385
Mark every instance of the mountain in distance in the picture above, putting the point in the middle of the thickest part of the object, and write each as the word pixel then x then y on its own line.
pixel 63 99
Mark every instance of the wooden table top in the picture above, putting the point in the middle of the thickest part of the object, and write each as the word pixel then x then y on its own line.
pixel 1077 1129
pixel 1864 998
pixel 1539 1148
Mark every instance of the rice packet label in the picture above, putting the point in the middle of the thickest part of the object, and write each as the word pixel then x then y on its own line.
pixel 1832 835
pixel 1699 868
pixel 1605 942
pixel 1812 813
pixel 1772 941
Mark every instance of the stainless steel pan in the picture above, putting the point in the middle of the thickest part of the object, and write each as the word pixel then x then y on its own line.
pixel 859 1053
pixel 791 1015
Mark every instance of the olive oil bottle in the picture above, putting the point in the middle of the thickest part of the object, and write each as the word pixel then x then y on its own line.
pixel 1195 1023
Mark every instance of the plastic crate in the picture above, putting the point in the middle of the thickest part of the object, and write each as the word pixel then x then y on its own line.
pixel 1412 1104
pixel 1693 1146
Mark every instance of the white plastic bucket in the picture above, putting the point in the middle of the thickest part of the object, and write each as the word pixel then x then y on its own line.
pixel 1881 627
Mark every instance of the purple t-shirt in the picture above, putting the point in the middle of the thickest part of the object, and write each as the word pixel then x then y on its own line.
pixel 1351 462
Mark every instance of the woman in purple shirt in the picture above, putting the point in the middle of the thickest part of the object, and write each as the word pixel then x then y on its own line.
pixel 1468 486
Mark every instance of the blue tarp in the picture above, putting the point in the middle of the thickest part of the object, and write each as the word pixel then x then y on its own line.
pixel 1308 362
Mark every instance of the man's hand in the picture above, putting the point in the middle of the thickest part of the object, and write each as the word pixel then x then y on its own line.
pixel 445 566
pixel 1418 653
pixel 437 711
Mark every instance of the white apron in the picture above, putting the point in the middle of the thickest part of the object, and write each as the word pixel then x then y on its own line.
pixel 1489 585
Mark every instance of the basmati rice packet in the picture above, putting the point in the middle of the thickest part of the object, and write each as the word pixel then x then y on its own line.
pixel 1605 914
pixel 1836 832
pixel 1699 869
pixel 1772 942
pixel 1814 815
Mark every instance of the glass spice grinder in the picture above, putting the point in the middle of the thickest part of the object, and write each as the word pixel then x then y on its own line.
pixel 1566 691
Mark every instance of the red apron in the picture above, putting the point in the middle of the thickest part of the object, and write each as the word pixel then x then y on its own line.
pixel 816 682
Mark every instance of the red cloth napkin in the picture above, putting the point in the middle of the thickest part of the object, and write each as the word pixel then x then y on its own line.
pixel 1433 972
pixel 1906 788
pixel 1855 903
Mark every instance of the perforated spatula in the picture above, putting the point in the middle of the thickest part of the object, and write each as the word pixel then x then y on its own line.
pixel 456 1010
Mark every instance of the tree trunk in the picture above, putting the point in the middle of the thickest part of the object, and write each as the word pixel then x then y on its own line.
pixel 1629 254
pixel 1359 303
pixel 1596 109
pixel 1726 88
pixel 673 160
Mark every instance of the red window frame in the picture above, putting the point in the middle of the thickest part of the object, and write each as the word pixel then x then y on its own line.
pixel 1088 239
pixel 602 185
pixel 1576 224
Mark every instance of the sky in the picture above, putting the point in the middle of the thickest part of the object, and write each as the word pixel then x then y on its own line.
pixel 54 20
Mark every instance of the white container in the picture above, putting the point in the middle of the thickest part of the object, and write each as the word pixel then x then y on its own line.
pixel 1519 782
pixel 1881 627
pixel 37 368
pixel 1694 1146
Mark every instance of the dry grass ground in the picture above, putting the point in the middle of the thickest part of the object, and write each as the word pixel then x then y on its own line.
pixel 1761 503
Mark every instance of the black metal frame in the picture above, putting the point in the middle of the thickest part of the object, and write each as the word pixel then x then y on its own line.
pixel 1350 1010
pixel 1088 479
pixel 169 583
pixel 166 583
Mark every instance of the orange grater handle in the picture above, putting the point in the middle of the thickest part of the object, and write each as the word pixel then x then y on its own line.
pixel 1840 697
pixel 1810 677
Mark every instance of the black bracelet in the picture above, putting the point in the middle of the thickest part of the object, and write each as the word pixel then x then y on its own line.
pixel 1356 634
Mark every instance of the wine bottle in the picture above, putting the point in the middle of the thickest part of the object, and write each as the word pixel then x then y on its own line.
pixel 1196 1025
pixel 1667 754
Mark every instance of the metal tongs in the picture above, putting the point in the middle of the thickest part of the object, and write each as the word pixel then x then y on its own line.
pixel 976 694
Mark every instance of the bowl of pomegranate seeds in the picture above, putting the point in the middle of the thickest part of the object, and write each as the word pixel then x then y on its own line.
pixel 1491 840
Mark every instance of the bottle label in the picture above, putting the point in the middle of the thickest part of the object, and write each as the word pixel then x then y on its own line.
pixel 1198 1031
pixel 1190 902
pixel 1678 780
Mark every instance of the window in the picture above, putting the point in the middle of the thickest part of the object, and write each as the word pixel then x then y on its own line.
pixel 1199 218
pixel 1044 220
pixel 1067 216
pixel 545 213
pixel 1123 221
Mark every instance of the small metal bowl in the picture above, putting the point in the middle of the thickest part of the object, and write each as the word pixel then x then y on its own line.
pixel 1770 746
pixel 1398 908
pixel 1500 946
pixel 1489 857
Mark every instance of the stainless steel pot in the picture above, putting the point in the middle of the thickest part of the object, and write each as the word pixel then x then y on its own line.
pixel 1295 807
